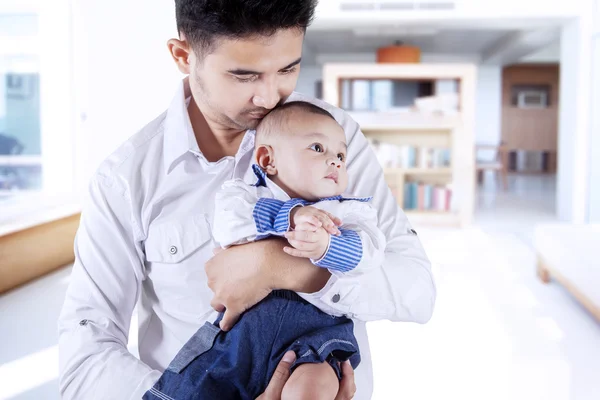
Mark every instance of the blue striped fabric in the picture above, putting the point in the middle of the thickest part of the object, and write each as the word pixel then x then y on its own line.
pixel 344 252
pixel 260 175
pixel 272 216
pixel 342 198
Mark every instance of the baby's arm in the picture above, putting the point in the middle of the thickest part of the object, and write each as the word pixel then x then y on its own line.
pixel 245 213
pixel 234 221
pixel 360 246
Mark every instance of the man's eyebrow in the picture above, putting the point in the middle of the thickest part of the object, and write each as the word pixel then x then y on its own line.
pixel 292 64
pixel 250 72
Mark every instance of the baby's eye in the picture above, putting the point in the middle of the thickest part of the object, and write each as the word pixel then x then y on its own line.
pixel 341 157
pixel 317 147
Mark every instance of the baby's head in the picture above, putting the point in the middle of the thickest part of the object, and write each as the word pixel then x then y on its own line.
pixel 303 150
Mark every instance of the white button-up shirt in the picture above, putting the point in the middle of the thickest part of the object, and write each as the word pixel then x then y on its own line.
pixel 145 236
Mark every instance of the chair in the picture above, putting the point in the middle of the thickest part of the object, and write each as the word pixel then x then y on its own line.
pixel 496 160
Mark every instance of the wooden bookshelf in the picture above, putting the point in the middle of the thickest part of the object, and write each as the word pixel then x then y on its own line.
pixel 453 131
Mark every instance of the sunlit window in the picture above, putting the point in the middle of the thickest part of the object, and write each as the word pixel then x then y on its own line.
pixel 20 130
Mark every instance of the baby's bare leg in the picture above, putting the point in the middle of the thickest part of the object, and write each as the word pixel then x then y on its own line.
pixel 312 382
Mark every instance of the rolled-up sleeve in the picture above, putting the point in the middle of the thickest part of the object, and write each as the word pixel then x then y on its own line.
pixel 105 284
pixel 401 287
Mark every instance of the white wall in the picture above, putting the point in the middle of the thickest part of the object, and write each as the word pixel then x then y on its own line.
pixel 309 75
pixel 125 76
pixel 594 181
pixel 548 54
pixel 574 121
pixel 488 112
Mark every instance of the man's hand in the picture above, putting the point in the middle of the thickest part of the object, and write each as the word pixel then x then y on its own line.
pixel 307 241
pixel 280 377
pixel 316 218
pixel 282 374
pixel 239 278
pixel 347 385
pixel 242 276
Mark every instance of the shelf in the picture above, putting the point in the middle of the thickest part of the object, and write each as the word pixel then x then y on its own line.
pixel 409 127
pixel 404 121
pixel 418 171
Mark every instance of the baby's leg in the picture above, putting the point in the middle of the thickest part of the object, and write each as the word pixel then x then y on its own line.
pixel 312 382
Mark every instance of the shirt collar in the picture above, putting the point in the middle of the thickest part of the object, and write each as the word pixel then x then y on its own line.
pixel 179 137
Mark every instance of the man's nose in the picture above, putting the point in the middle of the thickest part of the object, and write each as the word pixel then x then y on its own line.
pixel 267 95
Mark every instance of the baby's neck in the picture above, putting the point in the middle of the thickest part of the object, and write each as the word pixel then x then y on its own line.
pixel 289 192
pixel 284 187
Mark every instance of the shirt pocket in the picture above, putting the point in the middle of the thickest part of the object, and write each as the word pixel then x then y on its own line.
pixel 173 242
pixel 176 251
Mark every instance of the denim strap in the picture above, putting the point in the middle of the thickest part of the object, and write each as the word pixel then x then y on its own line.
pixel 200 343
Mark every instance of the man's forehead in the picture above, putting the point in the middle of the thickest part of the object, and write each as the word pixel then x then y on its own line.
pixel 259 52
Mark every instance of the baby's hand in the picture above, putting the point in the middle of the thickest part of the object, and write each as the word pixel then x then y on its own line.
pixel 316 218
pixel 307 241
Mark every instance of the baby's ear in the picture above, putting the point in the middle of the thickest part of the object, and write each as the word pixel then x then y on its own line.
pixel 265 159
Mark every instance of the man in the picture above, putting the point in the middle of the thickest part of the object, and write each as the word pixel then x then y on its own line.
pixel 145 233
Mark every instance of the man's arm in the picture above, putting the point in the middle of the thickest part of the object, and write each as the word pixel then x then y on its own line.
pixel 105 284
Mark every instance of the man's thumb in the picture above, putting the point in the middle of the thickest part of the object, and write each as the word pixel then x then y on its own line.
pixel 281 374
pixel 229 320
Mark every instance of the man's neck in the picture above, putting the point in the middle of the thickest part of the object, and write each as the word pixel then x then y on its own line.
pixel 215 142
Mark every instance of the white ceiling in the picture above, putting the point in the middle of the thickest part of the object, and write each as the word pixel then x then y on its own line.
pixel 430 40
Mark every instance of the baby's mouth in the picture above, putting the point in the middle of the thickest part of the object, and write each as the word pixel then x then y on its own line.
pixel 333 176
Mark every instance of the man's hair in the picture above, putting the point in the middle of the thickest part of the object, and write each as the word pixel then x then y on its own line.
pixel 202 22
pixel 274 122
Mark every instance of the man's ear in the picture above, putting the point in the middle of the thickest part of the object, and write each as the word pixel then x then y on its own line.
pixel 265 158
pixel 181 53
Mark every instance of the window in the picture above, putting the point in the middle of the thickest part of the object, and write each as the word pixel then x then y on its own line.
pixel 20 132
pixel 37 140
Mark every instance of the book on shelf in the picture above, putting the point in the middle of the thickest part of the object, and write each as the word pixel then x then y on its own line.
pixel 426 197
pixel 407 156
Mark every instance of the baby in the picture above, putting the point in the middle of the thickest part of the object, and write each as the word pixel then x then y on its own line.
pixel 300 171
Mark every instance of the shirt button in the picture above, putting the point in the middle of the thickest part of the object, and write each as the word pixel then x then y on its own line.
pixel 83 322
pixel 173 250
pixel 336 298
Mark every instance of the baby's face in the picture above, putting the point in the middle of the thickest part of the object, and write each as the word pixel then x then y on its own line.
pixel 311 158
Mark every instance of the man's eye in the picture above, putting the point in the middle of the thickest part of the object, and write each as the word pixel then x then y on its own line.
pixel 317 147
pixel 341 157
pixel 244 79
pixel 288 71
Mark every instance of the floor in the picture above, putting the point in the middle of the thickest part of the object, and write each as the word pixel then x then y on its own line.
pixel 497 332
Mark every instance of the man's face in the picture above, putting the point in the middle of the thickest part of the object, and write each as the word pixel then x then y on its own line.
pixel 241 80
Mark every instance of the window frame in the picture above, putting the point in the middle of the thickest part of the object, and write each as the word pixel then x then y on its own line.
pixel 53 47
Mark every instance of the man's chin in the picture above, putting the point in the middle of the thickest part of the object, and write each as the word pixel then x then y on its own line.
pixel 248 123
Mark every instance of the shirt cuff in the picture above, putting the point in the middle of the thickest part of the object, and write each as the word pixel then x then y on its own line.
pixel 343 253
pixel 264 213
pixel 272 216
pixel 282 220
